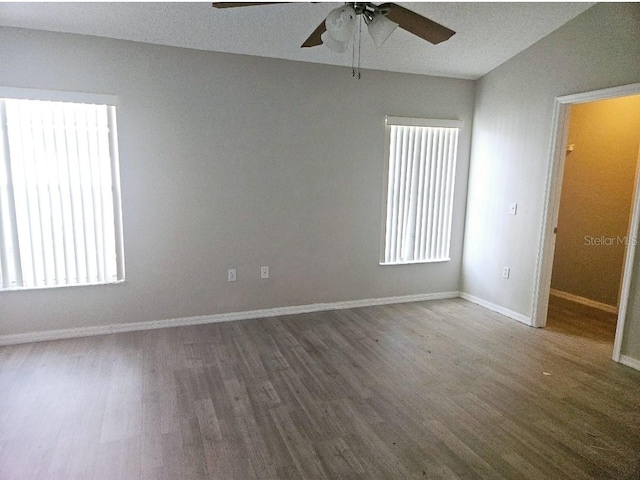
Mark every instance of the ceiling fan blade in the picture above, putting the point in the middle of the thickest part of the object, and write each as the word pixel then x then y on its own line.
pixel 242 4
pixel 314 39
pixel 417 24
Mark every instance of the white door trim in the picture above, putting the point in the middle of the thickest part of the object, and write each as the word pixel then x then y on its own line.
pixel 558 145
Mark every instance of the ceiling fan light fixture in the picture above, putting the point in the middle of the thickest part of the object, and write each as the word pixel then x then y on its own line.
pixel 341 23
pixel 380 28
pixel 333 44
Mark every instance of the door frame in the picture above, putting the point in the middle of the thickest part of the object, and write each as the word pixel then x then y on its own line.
pixel 553 187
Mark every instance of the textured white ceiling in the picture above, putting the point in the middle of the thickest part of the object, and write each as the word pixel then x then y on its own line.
pixel 487 33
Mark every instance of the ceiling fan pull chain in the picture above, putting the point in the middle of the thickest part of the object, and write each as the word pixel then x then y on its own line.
pixel 355 65
pixel 359 43
pixel 353 56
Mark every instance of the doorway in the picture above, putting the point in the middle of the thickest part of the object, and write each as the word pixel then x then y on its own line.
pixel 594 215
pixel 615 295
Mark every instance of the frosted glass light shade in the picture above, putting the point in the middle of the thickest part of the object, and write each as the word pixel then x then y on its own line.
pixel 380 28
pixel 333 44
pixel 341 23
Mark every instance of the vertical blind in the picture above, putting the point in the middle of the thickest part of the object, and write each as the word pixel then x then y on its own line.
pixel 59 195
pixel 421 176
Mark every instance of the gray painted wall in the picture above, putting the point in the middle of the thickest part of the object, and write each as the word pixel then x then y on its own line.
pixel 236 161
pixel 511 142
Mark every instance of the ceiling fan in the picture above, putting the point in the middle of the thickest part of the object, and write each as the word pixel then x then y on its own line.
pixel 381 20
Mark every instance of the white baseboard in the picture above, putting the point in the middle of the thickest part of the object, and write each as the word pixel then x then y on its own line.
pixel 497 308
pixel 630 362
pixel 584 301
pixel 220 317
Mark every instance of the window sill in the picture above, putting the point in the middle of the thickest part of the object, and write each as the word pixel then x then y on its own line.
pixel 413 262
pixel 56 287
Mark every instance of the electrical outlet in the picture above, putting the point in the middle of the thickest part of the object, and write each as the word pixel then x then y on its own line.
pixel 231 275
pixel 264 272
pixel 506 271
pixel 513 208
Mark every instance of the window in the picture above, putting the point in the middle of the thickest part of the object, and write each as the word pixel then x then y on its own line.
pixel 420 181
pixel 60 215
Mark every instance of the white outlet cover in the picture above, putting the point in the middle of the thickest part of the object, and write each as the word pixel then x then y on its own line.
pixel 231 275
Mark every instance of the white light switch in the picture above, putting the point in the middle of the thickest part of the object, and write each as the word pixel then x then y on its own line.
pixel 506 271
pixel 231 275
pixel 513 208
pixel 264 272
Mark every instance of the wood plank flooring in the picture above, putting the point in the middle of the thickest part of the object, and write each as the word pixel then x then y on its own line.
pixel 442 390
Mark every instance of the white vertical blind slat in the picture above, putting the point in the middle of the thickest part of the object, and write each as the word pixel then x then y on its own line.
pixel 10 267
pixel 42 164
pixel 396 194
pixel 419 231
pixel 443 192
pixel 404 190
pixel 22 169
pixel 391 178
pixel 451 185
pixel 116 263
pixel 401 192
pixel 408 218
pixel 79 275
pixel 97 194
pixel 427 213
pixel 54 198
pixel 84 171
pixel 437 204
pixel 420 193
pixel 433 194
pixel 67 259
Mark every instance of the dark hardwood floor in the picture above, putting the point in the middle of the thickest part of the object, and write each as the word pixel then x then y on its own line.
pixel 442 389
pixel 574 320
